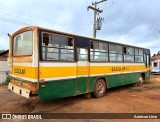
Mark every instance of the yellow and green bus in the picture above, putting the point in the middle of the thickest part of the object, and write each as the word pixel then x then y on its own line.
pixel 53 64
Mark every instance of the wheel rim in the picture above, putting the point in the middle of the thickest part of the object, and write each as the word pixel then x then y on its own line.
pixel 141 79
pixel 100 88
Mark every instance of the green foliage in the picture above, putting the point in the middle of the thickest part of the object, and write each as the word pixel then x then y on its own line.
pixel 1 51
pixel 6 82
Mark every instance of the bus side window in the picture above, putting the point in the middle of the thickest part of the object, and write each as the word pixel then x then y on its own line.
pixel 57 47
pixel 115 53
pixel 128 54
pixel 82 54
pixel 148 60
pixel 98 51
pixel 125 50
pixel 45 39
pixel 138 55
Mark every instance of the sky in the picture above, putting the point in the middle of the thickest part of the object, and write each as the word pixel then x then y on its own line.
pixel 132 22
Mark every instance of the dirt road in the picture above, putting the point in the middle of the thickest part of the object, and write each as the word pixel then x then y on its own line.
pixel 126 99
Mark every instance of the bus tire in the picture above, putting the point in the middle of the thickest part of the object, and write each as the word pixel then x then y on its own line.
pixel 99 88
pixel 141 79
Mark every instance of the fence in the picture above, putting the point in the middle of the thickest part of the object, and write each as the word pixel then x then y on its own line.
pixel 4 70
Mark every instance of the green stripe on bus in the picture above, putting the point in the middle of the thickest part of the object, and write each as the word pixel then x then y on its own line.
pixel 81 85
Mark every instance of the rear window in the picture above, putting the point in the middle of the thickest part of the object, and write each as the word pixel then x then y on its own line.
pixel 23 44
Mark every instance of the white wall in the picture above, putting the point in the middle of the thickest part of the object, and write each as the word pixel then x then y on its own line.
pixel 3 69
pixel 156 61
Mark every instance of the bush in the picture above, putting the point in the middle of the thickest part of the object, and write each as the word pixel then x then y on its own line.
pixel 6 81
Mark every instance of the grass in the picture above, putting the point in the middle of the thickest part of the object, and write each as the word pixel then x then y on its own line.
pixel 155 76
pixel 153 86
pixel 154 82
pixel 135 90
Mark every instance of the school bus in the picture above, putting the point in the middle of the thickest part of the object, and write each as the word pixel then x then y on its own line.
pixel 53 64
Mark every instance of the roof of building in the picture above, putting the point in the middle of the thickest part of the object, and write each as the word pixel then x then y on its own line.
pixel 155 57
pixel 4 54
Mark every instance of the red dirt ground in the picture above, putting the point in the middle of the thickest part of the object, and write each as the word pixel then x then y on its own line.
pixel 126 99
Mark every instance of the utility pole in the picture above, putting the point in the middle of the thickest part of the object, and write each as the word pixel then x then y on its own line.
pixel 97 21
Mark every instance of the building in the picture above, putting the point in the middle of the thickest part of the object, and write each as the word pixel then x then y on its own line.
pixel 4 69
pixel 156 60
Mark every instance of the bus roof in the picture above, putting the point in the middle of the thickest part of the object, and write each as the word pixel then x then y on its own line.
pixel 71 34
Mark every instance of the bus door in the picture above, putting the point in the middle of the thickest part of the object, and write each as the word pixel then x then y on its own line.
pixel 82 81
pixel 147 63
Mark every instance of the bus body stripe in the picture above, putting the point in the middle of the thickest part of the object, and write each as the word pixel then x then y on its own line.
pixel 66 72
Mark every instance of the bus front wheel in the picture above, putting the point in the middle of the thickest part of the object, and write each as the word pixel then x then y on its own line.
pixel 99 88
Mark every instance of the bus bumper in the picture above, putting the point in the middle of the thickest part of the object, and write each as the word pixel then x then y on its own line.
pixel 19 90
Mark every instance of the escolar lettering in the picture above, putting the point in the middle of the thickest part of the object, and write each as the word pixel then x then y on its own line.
pixel 20 71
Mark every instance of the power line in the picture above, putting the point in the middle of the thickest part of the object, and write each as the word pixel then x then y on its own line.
pixel 34 17
pixel 27 24
pixel 16 16
pixel 13 21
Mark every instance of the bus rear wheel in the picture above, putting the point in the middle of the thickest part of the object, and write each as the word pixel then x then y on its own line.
pixel 99 88
pixel 141 80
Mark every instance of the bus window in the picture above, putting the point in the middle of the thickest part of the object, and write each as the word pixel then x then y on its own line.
pixel 82 54
pixel 115 53
pixel 138 55
pixel 23 44
pixel 136 52
pixel 128 54
pixel 57 47
pixel 148 61
pixel 98 51
pixel 45 39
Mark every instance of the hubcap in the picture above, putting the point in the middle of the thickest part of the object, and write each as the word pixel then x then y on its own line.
pixel 100 88
pixel 141 79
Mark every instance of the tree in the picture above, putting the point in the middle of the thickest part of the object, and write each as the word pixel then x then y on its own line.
pixel 1 51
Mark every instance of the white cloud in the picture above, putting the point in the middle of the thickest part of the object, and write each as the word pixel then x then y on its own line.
pixel 130 22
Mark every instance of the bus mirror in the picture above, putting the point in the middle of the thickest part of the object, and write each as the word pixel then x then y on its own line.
pixel 9 35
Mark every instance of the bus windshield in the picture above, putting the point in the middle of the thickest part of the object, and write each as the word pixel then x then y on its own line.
pixel 23 44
